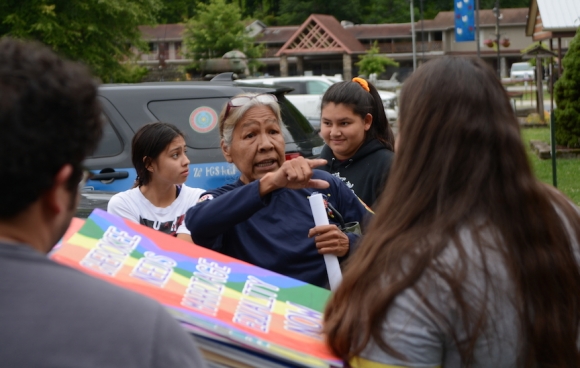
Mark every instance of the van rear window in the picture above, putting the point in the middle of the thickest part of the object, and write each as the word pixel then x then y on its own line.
pixel 197 118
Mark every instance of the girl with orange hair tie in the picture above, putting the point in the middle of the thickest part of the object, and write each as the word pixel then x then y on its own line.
pixel 359 142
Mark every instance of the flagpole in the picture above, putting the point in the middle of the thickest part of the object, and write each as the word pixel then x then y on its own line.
pixel 413 35
pixel 497 35
pixel 477 28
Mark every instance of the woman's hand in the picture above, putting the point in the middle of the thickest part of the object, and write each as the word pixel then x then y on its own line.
pixel 329 240
pixel 293 174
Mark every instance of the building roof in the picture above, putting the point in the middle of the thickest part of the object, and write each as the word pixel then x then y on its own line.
pixel 509 16
pixel 277 34
pixel 347 38
pixel 169 32
pixel 559 15
pixel 321 34
pixel 553 19
pixel 378 31
pixel 443 21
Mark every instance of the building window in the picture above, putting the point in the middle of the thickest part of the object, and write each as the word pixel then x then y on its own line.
pixel 178 54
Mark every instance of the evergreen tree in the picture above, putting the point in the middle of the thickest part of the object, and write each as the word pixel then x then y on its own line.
pixel 567 96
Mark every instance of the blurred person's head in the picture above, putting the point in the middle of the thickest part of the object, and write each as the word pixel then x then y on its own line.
pixel 50 120
pixel 461 165
pixel 352 113
pixel 252 134
pixel 158 152
pixel 459 141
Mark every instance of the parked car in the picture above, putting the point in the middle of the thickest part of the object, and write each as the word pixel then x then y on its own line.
pixel 522 71
pixel 194 108
pixel 308 90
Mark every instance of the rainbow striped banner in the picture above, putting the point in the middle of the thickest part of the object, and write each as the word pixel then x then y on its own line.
pixel 220 296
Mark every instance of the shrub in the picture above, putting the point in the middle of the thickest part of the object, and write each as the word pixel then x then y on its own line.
pixel 371 62
pixel 534 118
pixel 567 95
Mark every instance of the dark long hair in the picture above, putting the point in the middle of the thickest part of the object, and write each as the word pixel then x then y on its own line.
pixel 461 164
pixel 362 103
pixel 149 141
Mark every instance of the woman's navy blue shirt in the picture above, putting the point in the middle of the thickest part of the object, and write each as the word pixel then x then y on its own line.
pixel 271 231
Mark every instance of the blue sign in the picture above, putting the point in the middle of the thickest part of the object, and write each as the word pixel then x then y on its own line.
pixel 464 21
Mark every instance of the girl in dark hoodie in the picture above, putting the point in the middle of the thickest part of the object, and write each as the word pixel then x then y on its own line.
pixel 359 141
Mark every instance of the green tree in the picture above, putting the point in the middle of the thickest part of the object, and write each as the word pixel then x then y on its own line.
pixel 398 11
pixel 372 62
pixel 567 95
pixel 96 32
pixel 176 11
pixel 265 10
pixel 254 51
pixel 388 11
pixel 216 29
pixel 297 11
pixel 259 9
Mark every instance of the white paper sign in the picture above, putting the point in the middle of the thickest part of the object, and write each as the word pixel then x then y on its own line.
pixel 331 261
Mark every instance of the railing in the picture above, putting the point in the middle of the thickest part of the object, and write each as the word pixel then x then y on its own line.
pixel 149 57
pixel 155 56
pixel 407 47
pixel 387 48
pixel 271 51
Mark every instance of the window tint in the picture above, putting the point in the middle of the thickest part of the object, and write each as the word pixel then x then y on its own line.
pixel 317 87
pixel 195 115
pixel 196 118
pixel 299 87
pixel 110 144
pixel 299 128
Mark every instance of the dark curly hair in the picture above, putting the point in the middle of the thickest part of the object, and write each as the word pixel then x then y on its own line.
pixel 49 117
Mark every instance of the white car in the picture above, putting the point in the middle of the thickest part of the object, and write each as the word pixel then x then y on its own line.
pixel 522 71
pixel 308 91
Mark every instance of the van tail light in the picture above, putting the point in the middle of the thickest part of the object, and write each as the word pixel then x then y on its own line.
pixel 291 155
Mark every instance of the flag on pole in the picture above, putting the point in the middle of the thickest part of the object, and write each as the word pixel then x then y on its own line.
pixel 464 21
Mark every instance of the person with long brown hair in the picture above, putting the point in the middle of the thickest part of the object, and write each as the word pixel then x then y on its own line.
pixel 469 260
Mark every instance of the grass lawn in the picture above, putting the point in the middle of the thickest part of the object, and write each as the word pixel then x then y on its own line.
pixel 568 170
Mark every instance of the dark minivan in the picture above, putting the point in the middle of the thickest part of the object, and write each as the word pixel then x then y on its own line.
pixel 194 108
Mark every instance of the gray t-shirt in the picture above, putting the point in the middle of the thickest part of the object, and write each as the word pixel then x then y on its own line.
pixel 423 337
pixel 54 316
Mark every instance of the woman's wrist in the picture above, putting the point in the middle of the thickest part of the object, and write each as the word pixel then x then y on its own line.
pixel 267 184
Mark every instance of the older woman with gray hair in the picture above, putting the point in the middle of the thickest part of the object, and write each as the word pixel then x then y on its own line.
pixel 265 217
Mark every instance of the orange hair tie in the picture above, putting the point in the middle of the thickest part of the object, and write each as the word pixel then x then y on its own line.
pixel 363 83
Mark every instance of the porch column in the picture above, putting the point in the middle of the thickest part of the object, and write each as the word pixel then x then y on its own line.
pixel 559 57
pixel 503 67
pixel 539 90
pixel 283 66
pixel 300 65
pixel 346 67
